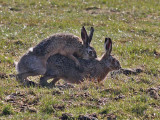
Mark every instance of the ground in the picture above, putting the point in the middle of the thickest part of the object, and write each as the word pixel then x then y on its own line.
pixel 133 26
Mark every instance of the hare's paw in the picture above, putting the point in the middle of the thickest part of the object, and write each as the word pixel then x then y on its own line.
pixel 30 83
pixel 51 85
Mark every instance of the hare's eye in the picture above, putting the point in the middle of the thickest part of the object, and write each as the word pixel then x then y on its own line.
pixel 113 60
pixel 90 52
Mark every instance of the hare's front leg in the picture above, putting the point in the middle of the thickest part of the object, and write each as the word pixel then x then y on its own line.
pixel 80 68
pixel 70 55
pixel 75 60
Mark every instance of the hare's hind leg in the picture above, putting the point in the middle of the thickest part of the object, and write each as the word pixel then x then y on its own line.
pixel 22 77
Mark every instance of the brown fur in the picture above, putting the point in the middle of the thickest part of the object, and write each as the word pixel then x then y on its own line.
pixel 61 67
pixel 34 62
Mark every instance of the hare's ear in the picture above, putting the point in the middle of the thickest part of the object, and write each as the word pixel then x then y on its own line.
pixel 108 45
pixel 90 35
pixel 84 36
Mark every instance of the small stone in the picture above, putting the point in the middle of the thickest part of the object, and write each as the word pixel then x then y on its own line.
pixel 86 117
pixel 119 97
pixel 153 92
pixel 111 116
pixel 67 116
pixel 32 110
pixel 3 75
pixel 57 92
pixel 9 98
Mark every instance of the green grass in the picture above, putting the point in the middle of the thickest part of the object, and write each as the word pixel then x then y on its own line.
pixel 134 28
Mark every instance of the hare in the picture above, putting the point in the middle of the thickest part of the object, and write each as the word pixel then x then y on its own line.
pixel 34 61
pixel 61 67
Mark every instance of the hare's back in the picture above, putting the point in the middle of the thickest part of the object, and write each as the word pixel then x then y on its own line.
pixel 60 60
pixel 62 67
pixel 67 40
pixel 56 43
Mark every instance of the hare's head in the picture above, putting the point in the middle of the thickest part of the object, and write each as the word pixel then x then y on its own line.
pixel 111 62
pixel 89 52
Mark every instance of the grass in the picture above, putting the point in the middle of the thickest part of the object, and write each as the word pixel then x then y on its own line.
pixel 134 28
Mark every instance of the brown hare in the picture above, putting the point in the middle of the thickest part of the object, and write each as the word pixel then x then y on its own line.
pixel 61 67
pixel 34 61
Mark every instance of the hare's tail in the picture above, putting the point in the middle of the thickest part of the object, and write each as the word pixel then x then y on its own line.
pixel 16 65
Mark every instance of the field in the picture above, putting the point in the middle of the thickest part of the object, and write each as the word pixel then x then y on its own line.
pixel 133 26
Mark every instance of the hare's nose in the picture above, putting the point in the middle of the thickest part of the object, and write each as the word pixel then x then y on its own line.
pixel 95 56
pixel 120 67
